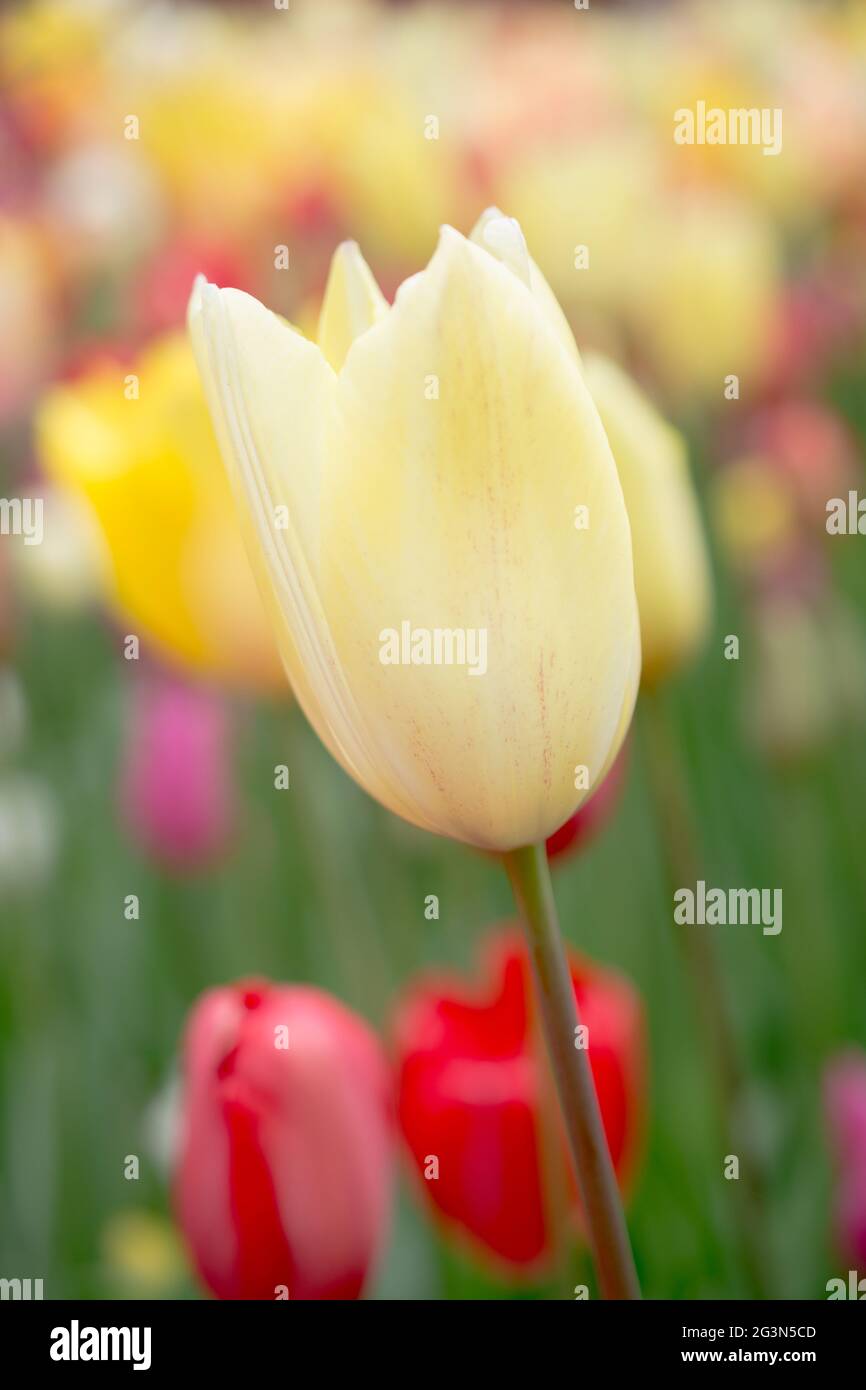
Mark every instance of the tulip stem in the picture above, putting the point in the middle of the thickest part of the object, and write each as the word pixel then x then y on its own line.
pixel 608 1235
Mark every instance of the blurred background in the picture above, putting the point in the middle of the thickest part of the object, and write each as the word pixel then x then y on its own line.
pixel 142 141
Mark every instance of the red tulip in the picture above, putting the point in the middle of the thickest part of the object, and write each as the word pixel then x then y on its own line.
pixel 283 1178
pixel 577 832
pixel 476 1105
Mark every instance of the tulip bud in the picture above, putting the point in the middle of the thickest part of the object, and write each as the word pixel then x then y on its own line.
pixel 474 1104
pixel 410 487
pixel 845 1102
pixel 177 792
pixel 671 565
pixel 283 1178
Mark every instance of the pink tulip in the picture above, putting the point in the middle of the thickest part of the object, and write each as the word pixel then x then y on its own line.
pixel 845 1102
pixel 283 1180
pixel 177 791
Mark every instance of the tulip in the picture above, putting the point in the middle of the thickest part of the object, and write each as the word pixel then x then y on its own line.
pixel 283 1174
pixel 704 306
pixel 433 478
pixel 812 450
pixel 177 792
pixel 148 467
pixel 671 566
pixel 423 465
pixel 845 1102
pixel 473 1095
pixel 581 828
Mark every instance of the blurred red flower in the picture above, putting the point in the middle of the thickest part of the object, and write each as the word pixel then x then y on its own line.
pixel 283 1178
pixel 476 1105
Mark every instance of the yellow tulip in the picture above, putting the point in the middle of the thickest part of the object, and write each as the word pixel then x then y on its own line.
pixel 138 445
pixel 411 492
pixel 671 566
pixel 705 306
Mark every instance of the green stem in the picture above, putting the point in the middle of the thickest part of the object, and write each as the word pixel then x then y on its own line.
pixel 608 1236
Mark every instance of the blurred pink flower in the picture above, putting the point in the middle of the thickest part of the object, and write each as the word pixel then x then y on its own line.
pixel 816 318
pixel 845 1103
pixel 177 790
pixel 810 447
pixel 161 288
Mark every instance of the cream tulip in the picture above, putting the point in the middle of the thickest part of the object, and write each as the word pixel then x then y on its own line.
pixel 409 488
pixel 671 565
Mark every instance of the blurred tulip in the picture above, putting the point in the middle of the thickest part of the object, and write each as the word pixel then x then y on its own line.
pixel 754 514
pixel 160 288
pixel 224 87
pixel 142 1255
pixel 703 308
pixel 845 1103
pixel 602 190
pixel 148 465
pixel 812 450
pixel 581 828
pixel 51 59
pixel 671 563
pixel 422 468
pixel 814 320
pixel 283 1181
pixel 473 1103
pixel 177 793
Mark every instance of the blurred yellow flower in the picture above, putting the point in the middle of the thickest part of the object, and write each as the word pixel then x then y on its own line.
pixel 137 443
pixel 142 1252
pixel 423 499
pixel 754 511
pixel 705 307
pixel 671 565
